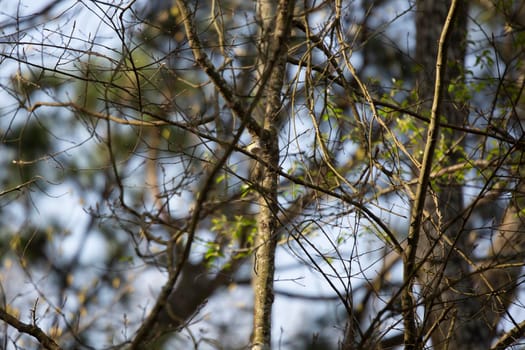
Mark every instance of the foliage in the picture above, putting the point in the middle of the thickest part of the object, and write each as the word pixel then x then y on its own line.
pixel 173 170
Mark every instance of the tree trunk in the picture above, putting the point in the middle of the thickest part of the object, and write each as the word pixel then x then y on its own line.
pixel 275 20
pixel 444 274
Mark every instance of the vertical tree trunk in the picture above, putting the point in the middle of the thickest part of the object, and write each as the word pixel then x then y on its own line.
pixel 275 20
pixel 446 286
pixel 265 244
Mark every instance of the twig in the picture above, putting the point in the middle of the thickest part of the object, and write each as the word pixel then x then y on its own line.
pixel 46 341
pixel 416 219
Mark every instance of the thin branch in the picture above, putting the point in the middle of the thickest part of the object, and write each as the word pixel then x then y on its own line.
pixel 147 328
pixel 22 185
pixel 46 341
pixel 410 265
pixel 510 337
pixel 202 59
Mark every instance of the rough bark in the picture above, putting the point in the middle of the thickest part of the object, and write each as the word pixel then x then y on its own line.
pixel 275 20
pixel 444 274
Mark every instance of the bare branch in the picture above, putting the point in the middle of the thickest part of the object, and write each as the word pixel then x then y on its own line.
pixel 46 341
pixel 416 217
